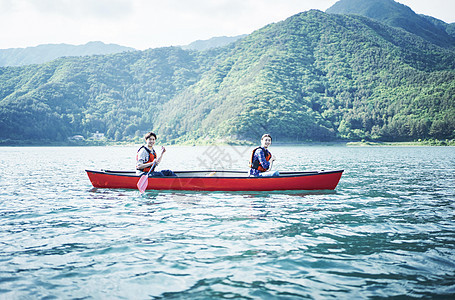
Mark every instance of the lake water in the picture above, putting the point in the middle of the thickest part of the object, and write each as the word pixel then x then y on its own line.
pixel 387 230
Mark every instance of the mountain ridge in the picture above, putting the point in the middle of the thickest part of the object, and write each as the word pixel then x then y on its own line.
pixel 397 15
pixel 47 52
pixel 14 57
pixel 214 42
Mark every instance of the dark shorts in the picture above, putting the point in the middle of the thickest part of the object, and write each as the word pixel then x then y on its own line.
pixel 162 173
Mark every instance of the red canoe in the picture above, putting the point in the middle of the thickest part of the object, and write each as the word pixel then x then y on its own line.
pixel 219 181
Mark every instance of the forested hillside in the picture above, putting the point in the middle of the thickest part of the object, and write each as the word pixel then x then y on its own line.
pixel 114 94
pixel 312 77
pixel 320 77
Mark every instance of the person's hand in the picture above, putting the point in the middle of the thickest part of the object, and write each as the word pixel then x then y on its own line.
pixel 273 158
pixel 163 149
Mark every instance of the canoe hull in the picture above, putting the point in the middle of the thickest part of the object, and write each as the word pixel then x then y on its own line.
pixel 236 181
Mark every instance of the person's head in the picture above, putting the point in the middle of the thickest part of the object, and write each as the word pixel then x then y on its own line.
pixel 266 140
pixel 150 139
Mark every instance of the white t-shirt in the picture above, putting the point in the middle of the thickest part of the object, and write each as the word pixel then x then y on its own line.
pixel 143 157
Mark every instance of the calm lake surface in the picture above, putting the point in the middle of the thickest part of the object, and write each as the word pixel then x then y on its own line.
pixel 388 230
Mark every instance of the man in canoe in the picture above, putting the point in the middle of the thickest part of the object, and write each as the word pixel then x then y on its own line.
pixel 262 160
pixel 146 158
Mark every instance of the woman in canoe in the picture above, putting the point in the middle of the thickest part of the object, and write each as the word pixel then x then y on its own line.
pixel 146 158
pixel 262 160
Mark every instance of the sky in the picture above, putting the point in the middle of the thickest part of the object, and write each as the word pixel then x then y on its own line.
pixel 144 24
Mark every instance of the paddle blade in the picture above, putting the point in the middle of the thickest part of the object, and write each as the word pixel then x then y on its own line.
pixel 142 183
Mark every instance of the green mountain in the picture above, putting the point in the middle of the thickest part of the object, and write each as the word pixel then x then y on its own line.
pixel 44 53
pixel 114 94
pixel 397 15
pixel 314 76
pixel 214 42
pixel 319 77
pixel 449 28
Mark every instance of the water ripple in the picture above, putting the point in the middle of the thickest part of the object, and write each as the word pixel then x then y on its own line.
pixel 387 231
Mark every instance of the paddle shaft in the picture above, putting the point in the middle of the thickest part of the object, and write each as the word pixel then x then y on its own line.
pixel 152 168
pixel 155 162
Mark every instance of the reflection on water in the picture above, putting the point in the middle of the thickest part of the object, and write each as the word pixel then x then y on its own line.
pixel 388 230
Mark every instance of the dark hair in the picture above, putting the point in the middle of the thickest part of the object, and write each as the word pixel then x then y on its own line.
pixel 266 135
pixel 148 135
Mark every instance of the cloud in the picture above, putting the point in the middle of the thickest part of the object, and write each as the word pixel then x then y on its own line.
pixel 104 9
pixel 185 21
pixel 440 9
pixel 154 23
pixel 139 23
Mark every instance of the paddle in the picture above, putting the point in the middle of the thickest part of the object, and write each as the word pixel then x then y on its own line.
pixel 271 163
pixel 144 180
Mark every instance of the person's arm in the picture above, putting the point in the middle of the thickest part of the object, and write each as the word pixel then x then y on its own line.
pixel 271 164
pixel 141 161
pixel 142 158
pixel 161 155
pixel 272 159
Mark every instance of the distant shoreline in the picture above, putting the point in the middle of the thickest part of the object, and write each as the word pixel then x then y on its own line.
pixel 22 143
pixel 415 143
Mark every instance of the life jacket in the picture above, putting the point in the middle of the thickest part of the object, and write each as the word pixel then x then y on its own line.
pixel 151 158
pixel 255 164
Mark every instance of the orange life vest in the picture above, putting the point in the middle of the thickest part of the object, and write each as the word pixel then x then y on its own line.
pixel 152 157
pixel 255 163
